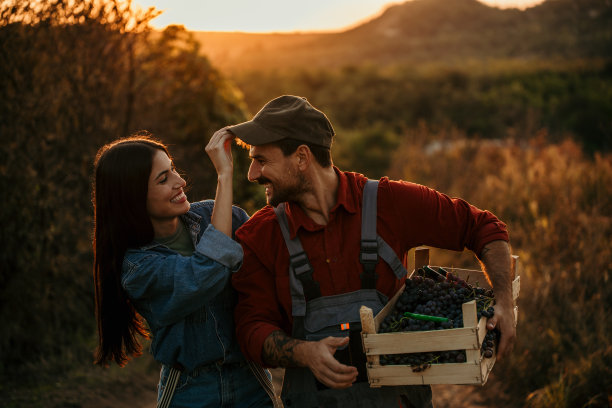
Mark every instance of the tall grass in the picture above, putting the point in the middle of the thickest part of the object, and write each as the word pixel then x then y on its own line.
pixel 557 204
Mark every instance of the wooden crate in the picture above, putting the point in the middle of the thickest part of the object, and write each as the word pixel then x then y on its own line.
pixel 475 370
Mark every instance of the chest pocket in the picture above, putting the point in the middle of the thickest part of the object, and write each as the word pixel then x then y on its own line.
pixel 336 315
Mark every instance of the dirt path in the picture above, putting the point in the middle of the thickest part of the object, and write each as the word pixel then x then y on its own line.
pixel 135 386
pixel 444 396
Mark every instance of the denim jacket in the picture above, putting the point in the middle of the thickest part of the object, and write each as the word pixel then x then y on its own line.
pixel 188 301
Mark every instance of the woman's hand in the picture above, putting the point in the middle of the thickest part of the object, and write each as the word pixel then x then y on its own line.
pixel 220 152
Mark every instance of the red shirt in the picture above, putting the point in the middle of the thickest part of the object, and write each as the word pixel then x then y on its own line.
pixel 408 215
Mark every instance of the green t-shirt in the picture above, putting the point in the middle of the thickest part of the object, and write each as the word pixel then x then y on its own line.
pixel 180 241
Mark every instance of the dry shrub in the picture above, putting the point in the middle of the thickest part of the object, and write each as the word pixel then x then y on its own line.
pixel 557 204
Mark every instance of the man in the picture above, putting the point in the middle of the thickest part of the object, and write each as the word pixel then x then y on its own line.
pixel 282 313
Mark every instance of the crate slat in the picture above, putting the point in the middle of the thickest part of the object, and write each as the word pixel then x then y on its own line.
pixel 421 341
pixel 368 327
pixel 450 373
pixel 470 320
pixel 486 367
pixel 516 287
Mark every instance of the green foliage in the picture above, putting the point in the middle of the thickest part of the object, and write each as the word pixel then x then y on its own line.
pixel 365 151
pixel 558 206
pixel 486 101
pixel 73 76
pixel 182 98
pixel 63 92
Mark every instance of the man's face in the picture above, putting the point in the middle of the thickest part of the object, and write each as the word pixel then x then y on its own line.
pixel 279 174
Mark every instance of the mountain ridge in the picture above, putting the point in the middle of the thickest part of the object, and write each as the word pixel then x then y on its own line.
pixel 435 31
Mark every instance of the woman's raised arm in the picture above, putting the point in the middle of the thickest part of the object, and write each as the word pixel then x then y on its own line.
pixel 220 153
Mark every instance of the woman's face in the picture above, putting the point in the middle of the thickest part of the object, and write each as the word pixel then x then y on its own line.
pixel 165 198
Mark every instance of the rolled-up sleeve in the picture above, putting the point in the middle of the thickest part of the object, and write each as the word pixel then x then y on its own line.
pixel 172 286
pixel 428 217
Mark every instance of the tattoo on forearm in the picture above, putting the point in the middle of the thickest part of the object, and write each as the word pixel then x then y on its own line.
pixel 278 350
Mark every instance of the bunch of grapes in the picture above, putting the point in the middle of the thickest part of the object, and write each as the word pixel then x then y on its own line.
pixel 432 300
pixel 489 343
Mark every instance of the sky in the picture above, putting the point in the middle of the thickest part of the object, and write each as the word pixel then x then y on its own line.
pixel 277 15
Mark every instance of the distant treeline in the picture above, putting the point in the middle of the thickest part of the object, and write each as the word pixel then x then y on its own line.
pixel 491 101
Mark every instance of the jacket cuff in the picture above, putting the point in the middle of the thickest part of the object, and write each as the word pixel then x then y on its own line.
pixel 220 248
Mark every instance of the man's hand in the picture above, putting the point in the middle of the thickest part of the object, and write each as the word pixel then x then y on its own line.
pixel 323 364
pixel 284 351
pixel 503 319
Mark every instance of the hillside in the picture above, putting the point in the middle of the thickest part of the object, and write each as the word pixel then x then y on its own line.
pixel 438 31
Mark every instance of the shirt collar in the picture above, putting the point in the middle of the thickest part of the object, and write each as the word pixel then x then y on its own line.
pixel 345 199
pixel 192 222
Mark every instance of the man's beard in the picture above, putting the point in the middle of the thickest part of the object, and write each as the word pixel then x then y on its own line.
pixel 290 190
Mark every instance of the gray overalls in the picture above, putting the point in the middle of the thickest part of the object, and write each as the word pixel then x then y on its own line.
pixel 323 316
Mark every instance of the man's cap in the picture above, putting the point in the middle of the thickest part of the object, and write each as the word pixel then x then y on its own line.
pixel 286 117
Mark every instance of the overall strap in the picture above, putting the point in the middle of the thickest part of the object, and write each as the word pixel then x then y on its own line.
pixel 388 255
pixel 168 392
pixel 301 282
pixel 368 256
pixel 372 245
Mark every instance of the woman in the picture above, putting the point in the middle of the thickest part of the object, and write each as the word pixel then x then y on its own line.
pixel 158 257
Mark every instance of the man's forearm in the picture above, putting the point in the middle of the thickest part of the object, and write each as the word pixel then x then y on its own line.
pixel 318 356
pixel 496 260
pixel 280 350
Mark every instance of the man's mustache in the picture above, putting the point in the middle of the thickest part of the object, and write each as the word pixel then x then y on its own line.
pixel 263 180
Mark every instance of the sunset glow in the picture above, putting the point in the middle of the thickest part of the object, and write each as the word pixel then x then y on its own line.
pixel 277 15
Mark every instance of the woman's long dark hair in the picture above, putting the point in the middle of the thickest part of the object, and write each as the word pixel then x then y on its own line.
pixel 121 221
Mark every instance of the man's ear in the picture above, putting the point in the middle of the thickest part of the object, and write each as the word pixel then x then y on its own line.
pixel 304 157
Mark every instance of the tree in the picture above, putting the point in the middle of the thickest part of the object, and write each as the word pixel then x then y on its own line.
pixel 73 76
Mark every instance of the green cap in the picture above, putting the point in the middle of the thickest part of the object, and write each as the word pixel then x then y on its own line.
pixel 286 117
